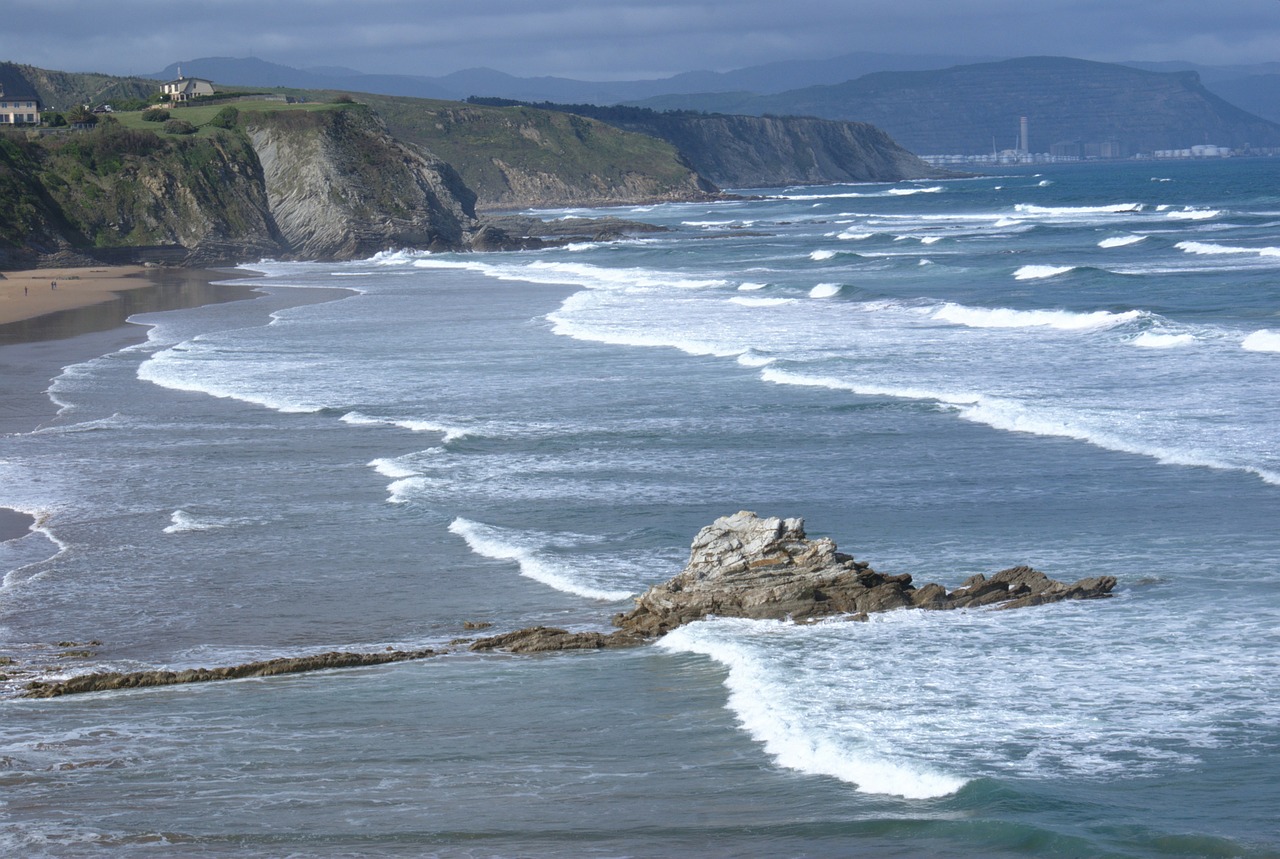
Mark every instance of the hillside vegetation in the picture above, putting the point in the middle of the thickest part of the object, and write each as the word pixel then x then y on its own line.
pixel 771 151
pixel 519 156
pixel 319 184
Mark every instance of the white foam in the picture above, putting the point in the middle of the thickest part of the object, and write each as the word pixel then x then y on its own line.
pixel 527 549
pixel 746 301
pixel 1038 272
pixel 793 735
pixel 1264 340
pixel 1120 241
pixel 907 192
pixel 825 290
pixel 185 367
pixel 1013 416
pixel 1002 317
pixel 1071 211
pixel 1193 214
pixel 751 287
pixel 1008 222
pixel 819 256
pixel 1154 340
pixel 751 358
pixel 449 433
pixel 853 236
pixel 1211 249
pixel 392 468
pixel 863 388
pixel 184 522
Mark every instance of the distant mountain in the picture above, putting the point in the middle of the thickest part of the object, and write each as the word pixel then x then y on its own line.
pixel 974 108
pixel 1258 94
pixel 1256 88
pixel 763 79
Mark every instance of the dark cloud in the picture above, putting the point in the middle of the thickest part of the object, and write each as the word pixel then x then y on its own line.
pixel 611 39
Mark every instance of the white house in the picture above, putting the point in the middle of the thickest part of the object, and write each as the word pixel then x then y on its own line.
pixel 19 104
pixel 185 89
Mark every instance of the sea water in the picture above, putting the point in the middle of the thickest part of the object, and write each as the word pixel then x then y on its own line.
pixel 1077 368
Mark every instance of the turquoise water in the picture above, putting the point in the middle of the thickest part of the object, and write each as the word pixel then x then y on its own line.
pixel 1075 369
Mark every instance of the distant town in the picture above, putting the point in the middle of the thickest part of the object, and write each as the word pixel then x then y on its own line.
pixel 1077 150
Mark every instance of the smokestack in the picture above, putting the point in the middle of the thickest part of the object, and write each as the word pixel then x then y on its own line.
pixel 1022 137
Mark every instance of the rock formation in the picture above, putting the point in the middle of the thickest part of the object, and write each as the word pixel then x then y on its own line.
pixel 746 566
pixel 339 186
pixel 138 679
pixel 739 566
pixel 540 639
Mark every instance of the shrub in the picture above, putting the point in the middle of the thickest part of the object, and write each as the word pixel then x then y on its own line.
pixel 225 118
pixel 179 126
pixel 155 114
pixel 344 99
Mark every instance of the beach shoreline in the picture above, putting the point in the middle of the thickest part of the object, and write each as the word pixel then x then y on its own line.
pixel 44 329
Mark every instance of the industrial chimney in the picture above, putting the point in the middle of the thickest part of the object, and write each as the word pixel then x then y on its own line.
pixel 1022 137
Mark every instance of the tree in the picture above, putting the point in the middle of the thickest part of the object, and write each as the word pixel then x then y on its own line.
pixel 81 115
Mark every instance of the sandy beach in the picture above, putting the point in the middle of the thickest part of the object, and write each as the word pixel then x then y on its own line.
pixel 36 292
pixel 43 329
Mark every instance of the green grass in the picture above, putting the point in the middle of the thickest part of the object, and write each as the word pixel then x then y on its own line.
pixel 200 114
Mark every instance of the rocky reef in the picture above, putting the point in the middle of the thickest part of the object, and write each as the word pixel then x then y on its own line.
pixel 767 568
pixel 111 680
pixel 739 566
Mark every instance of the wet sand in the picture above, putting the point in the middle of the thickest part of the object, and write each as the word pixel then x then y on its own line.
pixel 43 329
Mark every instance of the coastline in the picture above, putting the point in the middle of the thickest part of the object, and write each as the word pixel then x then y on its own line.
pixel 43 329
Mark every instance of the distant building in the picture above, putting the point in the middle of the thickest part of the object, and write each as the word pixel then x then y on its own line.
pixel 186 89
pixel 19 104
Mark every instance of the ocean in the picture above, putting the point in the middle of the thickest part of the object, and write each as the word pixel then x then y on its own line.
pixel 1076 367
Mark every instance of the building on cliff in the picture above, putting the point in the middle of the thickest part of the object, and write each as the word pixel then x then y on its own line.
pixel 19 103
pixel 186 89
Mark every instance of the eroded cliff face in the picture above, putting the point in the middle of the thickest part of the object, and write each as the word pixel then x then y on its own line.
pixel 303 184
pixel 519 156
pixel 339 186
pixel 771 151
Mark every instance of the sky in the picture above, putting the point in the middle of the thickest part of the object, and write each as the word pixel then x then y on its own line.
pixel 622 39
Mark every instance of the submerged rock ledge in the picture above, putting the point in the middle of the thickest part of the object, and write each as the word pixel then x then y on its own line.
pixel 269 668
pixel 747 566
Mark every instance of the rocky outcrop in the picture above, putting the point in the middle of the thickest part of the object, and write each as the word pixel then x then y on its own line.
pixel 767 568
pixel 108 681
pixel 340 187
pixel 541 639
pixel 747 566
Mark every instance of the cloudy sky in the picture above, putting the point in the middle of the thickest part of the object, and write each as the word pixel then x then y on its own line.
pixel 622 39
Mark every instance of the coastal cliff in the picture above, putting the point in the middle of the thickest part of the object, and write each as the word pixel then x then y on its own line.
pixel 318 184
pixel 736 151
pixel 517 156
pixel 339 186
